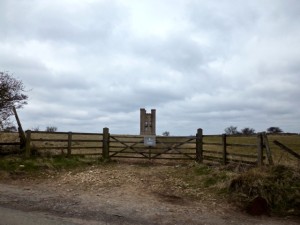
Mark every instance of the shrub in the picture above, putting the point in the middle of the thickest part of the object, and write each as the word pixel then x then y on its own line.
pixel 278 185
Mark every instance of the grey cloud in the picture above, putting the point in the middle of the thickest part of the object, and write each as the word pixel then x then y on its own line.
pixel 19 65
pixel 90 27
pixel 217 64
pixel 177 52
pixel 221 17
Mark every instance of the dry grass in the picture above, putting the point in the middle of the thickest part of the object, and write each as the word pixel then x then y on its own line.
pixel 9 137
pixel 278 185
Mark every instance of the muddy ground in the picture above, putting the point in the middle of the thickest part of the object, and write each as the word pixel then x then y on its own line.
pixel 123 193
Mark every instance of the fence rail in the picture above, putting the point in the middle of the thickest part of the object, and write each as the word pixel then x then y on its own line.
pixel 254 149
pixel 9 143
pixel 218 148
pixel 285 148
pixel 68 143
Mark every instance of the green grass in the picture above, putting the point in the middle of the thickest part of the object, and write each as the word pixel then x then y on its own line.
pixel 18 164
pixel 202 170
pixel 201 177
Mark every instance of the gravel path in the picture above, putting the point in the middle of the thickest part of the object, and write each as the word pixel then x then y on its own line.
pixel 121 194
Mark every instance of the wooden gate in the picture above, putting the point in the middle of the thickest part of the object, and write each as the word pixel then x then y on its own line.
pixel 133 146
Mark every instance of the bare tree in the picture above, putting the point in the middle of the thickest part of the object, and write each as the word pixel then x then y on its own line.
pixel 51 129
pixel 248 131
pixel 231 130
pixel 11 94
pixel 35 128
pixel 10 129
pixel 166 133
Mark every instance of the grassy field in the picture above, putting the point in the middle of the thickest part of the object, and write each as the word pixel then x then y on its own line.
pixel 91 144
pixel 279 156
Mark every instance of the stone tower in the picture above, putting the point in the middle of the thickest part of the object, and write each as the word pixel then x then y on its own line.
pixel 147 122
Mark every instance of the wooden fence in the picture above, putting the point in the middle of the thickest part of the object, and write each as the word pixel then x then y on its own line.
pixel 253 149
pixel 240 149
pixel 217 148
pixel 9 144
pixel 65 143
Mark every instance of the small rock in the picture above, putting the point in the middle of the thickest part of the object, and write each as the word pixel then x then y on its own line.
pixel 291 210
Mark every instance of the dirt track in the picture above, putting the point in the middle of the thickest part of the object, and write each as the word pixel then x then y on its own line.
pixel 122 194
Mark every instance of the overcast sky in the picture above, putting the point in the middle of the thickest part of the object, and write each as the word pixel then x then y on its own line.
pixel 200 63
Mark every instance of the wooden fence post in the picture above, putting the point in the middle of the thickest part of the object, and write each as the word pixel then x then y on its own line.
pixel 199 145
pixel 20 129
pixel 27 146
pixel 105 149
pixel 224 144
pixel 260 149
pixel 268 149
pixel 69 144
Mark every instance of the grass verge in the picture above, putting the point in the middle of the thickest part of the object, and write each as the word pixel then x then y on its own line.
pixel 278 185
pixel 15 165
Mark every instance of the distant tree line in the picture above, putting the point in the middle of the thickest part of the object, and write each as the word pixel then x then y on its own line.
pixel 48 129
pixel 232 130
pixel 14 129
